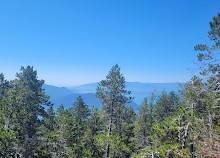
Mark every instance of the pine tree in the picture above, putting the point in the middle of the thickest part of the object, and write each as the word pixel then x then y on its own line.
pixel 167 105
pixel 4 86
pixel 209 55
pixel 30 99
pixel 208 61
pixel 112 95
pixel 94 128
pixel 46 134
pixel 23 102
pixel 58 137
pixel 7 130
pixel 128 132
pixel 144 124
pixel 49 119
pixel 77 123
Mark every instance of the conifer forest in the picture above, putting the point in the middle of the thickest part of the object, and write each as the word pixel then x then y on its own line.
pixel 172 125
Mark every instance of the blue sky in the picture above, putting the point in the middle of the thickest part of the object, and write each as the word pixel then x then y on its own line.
pixel 74 42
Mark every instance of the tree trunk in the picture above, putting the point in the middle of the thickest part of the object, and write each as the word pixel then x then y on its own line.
pixel 192 149
pixel 184 136
pixel 153 155
pixel 180 134
pixel 109 131
pixel 210 127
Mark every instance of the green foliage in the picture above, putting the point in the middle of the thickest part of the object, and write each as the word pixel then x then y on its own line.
pixel 128 131
pixel 209 56
pixel 22 103
pixel 167 105
pixel 145 120
pixel 94 128
pixel 113 97
pixel 117 147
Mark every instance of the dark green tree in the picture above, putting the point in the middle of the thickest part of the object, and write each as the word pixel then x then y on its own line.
pixel 4 86
pixel 94 128
pixel 113 97
pixel 77 123
pixel 7 130
pixel 208 57
pixel 25 100
pixel 128 132
pixel 144 124
pixel 59 147
pixel 167 105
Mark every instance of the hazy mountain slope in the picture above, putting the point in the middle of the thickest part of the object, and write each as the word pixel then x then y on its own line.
pixel 68 100
pixel 57 92
pixel 138 90
pixel 67 96
pixel 85 88
pixel 62 95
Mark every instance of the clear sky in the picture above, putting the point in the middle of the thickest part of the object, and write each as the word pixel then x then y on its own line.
pixel 72 42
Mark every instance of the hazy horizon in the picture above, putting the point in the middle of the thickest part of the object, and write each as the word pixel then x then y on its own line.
pixel 72 86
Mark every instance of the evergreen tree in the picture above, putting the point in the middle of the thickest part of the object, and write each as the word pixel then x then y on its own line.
pixel 209 55
pixel 77 123
pixel 4 86
pixel 21 108
pixel 46 134
pixel 112 95
pixel 128 132
pixel 58 137
pixel 167 105
pixel 49 119
pixel 29 100
pixel 144 124
pixel 208 61
pixel 94 128
pixel 7 130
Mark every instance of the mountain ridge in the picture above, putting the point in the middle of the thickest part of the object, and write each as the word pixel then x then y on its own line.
pixel 67 95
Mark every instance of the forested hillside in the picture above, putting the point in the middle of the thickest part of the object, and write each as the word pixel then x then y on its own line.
pixel 183 124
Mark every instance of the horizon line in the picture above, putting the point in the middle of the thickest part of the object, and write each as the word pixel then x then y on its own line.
pixel 71 86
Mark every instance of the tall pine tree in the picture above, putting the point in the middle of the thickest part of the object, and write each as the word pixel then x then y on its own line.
pixel 112 95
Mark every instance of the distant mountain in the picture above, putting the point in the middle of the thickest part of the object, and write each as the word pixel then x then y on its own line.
pixel 67 95
pixel 57 92
pixel 138 90
pixel 62 95
pixel 85 88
